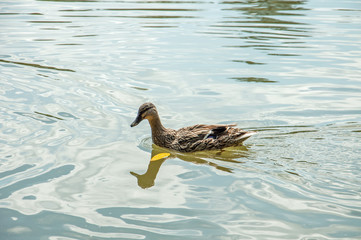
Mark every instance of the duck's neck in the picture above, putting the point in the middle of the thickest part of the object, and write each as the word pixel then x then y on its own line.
pixel 156 126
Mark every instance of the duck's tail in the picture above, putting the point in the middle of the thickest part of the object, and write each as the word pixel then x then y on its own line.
pixel 242 137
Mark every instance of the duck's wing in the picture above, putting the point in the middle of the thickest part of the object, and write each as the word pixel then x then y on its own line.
pixel 206 137
pixel 202 131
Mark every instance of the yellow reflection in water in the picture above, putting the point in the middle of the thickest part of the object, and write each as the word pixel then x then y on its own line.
pixel 159 156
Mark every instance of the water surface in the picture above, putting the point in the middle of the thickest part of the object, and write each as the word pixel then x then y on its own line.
pixel 75 72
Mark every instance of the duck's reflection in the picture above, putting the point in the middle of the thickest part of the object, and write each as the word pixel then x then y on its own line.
pixel 147 179
pixel 160 155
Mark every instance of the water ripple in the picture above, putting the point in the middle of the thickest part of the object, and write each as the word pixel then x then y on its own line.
pixel 24 183
pixel 37 65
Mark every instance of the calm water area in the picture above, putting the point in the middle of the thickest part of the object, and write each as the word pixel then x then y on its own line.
pixel 74 73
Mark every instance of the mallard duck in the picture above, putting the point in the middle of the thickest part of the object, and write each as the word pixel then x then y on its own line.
pixel 199 137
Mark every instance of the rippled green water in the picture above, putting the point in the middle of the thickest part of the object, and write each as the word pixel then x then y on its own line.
pixel 73 74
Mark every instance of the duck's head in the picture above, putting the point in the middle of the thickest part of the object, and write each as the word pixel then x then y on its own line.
pixel 146 111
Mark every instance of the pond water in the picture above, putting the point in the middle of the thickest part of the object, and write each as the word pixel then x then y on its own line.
pixel 73 74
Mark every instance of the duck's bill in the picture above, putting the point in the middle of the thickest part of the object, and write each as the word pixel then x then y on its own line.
pixel 136 121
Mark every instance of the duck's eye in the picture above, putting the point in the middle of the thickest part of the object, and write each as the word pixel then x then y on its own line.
pixel 143 112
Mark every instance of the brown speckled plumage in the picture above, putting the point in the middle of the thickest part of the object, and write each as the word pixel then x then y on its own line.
pixel 199 137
